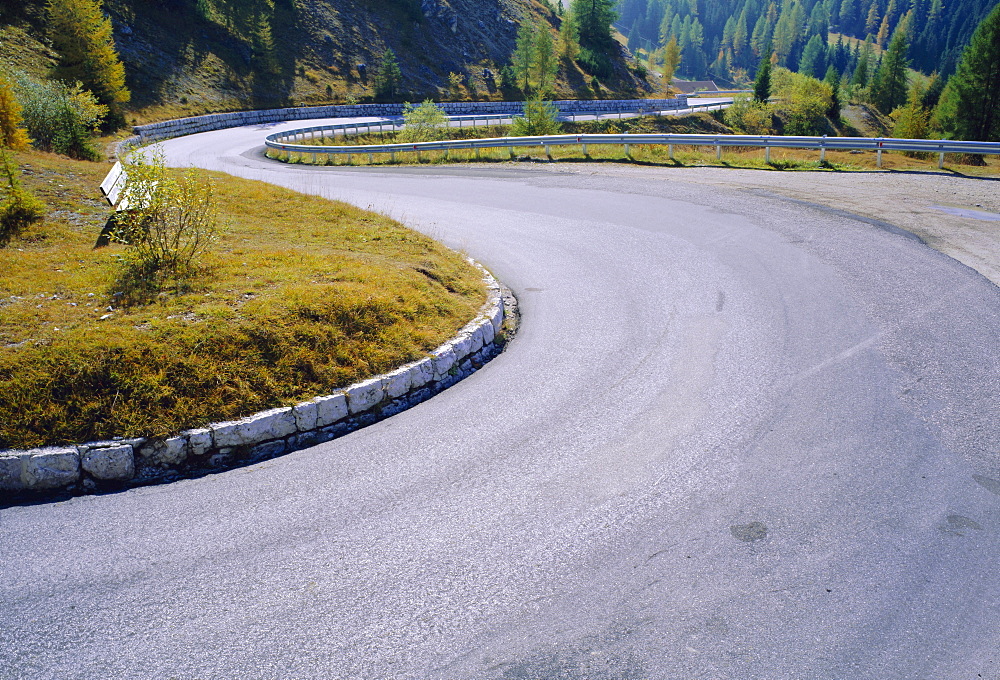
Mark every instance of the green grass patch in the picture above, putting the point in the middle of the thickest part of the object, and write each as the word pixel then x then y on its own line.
pixel 300 296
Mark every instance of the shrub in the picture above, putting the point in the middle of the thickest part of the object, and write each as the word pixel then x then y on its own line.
pixel 19 207
pixel 540 118
pixel 60 117
pixel 749 116
pixel 803 102
pixel 169 223
pixel 424 123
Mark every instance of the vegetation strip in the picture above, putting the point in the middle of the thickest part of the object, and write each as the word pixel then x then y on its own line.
pixel 120 462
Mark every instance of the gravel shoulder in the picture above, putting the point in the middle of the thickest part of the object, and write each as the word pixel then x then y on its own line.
pixel 924 204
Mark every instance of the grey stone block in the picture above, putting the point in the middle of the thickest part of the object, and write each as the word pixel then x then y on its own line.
pixel 260 427
pixel 422 373
pixel 306 415
pixel 364 395
pixel 166 452
pixel 10 471
pixel 199 441
pixel 331 408
pixel 109 463
pixel 50 468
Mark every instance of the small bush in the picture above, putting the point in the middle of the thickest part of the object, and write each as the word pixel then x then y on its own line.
pixel 424 123
pixel 19 207
pixel 540 118
pixel 60 117
pixel 169 223
pixel 749 116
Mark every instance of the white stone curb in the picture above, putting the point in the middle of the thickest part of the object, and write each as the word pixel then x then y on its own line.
pixel 85 467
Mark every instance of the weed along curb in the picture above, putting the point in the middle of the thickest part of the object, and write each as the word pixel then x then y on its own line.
pixel 55 473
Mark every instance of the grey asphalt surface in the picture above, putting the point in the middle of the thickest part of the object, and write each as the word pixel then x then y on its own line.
pixel 735 437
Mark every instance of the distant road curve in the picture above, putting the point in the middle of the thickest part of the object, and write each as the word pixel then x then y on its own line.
pixel 735 437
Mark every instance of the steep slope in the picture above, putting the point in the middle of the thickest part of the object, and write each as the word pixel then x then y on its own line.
pixel 191 56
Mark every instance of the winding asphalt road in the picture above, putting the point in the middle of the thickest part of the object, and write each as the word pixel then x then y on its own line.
pixel 735 438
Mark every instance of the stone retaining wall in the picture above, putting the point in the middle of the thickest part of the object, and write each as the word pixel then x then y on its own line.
pixel 218 121
pixel 108 465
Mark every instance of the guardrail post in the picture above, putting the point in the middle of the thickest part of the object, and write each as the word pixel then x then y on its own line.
pixel 348 159
pixel 548 152
pixel 941 161
pixel 670 151
pixel 767 155
pixel 718 152
pixel 477 153
pixel 822 150
pixel 878 155
pixel 419 158
pixel 512 155
pixel 628 151
pixel 371 159
pixel 584 146
pixel 392 156
pixel 313 154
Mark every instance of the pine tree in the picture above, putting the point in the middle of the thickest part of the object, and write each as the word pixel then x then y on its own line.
pixel 889 83
pixel 12 132
pixel 762 85
pixel 388 77
pixel 970 103
pixel 594 18
pixel 81 35
pixel 813 61
pixel 832 79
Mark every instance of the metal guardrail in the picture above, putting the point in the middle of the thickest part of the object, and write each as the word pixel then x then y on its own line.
pixel 393 123
pixel 767 142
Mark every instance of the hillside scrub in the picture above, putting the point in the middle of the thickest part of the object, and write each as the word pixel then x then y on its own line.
pixel 304 296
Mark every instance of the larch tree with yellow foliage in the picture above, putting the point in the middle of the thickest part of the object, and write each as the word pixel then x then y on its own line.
pixel 12 132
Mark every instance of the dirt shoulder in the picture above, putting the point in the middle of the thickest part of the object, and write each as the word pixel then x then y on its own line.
pixel 959 216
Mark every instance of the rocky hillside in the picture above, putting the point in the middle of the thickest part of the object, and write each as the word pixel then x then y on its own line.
pixel 192 56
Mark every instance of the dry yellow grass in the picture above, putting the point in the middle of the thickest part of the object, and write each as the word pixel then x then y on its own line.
pixel 299 296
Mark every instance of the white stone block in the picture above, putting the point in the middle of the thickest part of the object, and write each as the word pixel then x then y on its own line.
pixel 113 462
pixel 497 318
pixel 267 425
pixel 444 359
pixel 477 338
pixel 330 409
pixel 422 373
pixel 486 327
pixel 364 395
pixel 398 382
pixel 50 468
pixel 306 415
pixel 463 345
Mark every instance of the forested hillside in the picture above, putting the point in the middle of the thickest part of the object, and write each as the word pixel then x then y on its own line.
pixel 192 56
pixel 725 39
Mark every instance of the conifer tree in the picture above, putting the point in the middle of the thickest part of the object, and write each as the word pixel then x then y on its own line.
pixel 594 18
pixel 12 132
pixel 81 35
pixel 762 85
pixel 889 83
pixel 970 103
